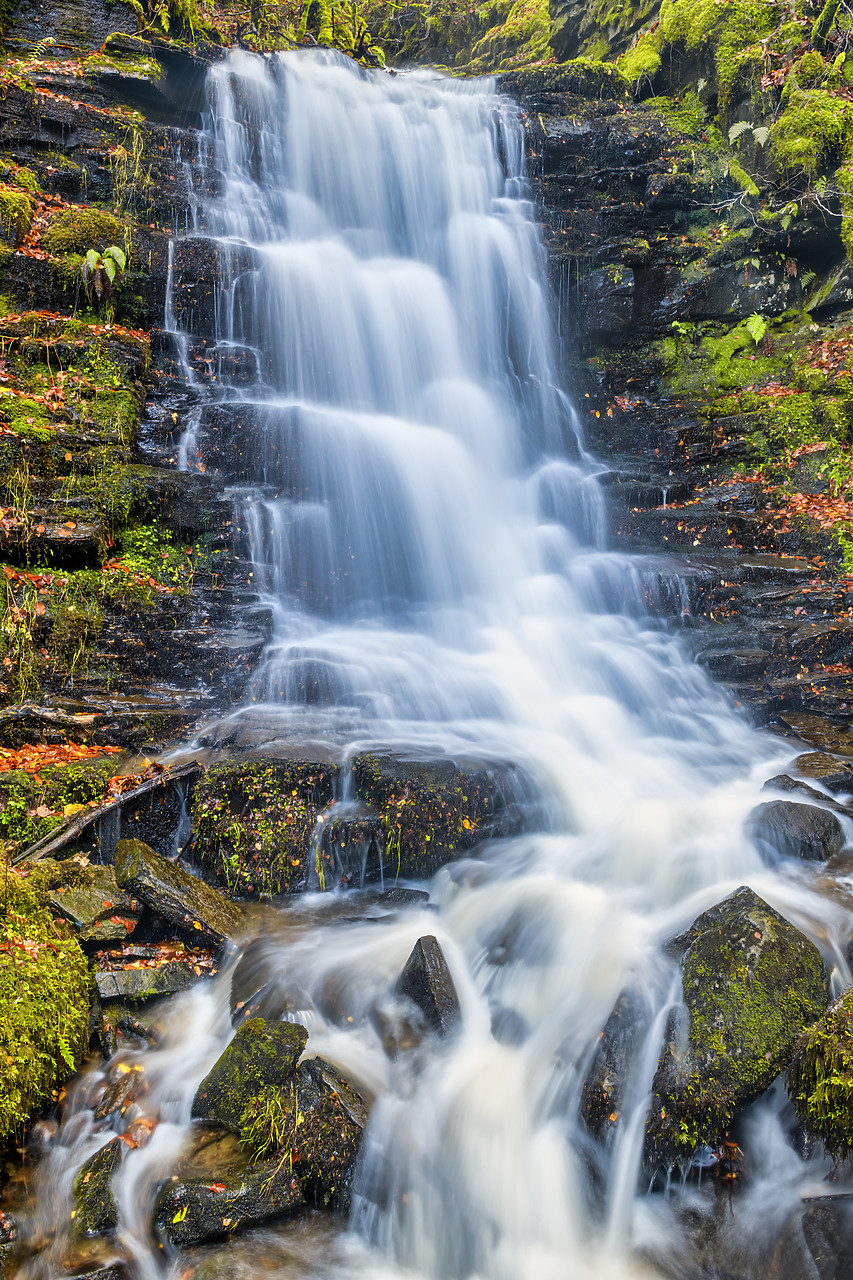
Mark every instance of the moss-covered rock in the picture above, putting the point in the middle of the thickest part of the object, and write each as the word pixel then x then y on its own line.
pixel 326 1144
pixel 253 821
pixel 432 811
pixel 261 1056
pixel 752 983
pixel 16 215
pixel 585 77
pixel 174 894
pixel 820 1078
pixel 191 1210
pixel 80 229
pixel 44 998
pixel 94 1207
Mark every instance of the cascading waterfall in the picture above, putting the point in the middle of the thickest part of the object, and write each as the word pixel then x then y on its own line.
pixel 427 529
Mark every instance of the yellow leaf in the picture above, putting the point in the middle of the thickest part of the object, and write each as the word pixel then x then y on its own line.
pixel 72 808
pixel 181 1214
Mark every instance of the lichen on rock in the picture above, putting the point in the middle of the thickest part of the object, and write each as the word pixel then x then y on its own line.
pixel 751 984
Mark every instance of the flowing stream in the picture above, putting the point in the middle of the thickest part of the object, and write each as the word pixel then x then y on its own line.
pixel 427 529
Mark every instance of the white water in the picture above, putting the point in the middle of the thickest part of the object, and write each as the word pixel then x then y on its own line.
pixel 428 531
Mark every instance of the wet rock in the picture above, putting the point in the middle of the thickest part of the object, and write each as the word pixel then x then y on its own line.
pixel 140 985
pixel 432 811
pixel 751 984
pixel 428 983
pixel 97 906
pixel 784 828
pixel 327 1142
pixel 400 897
pixel 258 988
pixel 260 1055
pixel 400 1025
pixel 174 894
pixel 197 1209
pixel 253 821
pixel 825 734
pixel 817 1242
pixel 835 775
pixel 508 1027
pixel 120 1094
pixel 95 1209
pixel 782 782
pixel 734 664
pixel 604 1084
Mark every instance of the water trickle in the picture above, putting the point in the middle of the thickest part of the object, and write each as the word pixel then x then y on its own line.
pixel 429 534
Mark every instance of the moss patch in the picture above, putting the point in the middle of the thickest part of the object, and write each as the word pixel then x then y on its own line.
pixel 820 1078
pixel 44 999
pixel 78 230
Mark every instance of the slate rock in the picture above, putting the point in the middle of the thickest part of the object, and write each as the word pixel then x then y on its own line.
pixel 819 766
pixel 95 1209
pixel 261 1055
pixel 174 894
pixel 428 983
pixel 784 828
pixel 139 985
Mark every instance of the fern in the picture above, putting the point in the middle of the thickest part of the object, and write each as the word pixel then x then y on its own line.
pixel 756 327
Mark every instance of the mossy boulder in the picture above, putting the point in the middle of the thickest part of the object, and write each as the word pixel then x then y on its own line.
pixel 433 811
pixel 31 805
pixel 94 1207
pixel 191 1210
pixel 44 998
pixel 253 820
pixel 174 894
pixel 820 1078
pixel 585 77
pixel 261 1056
pixel 752 983
pixel 327 1142
pixel 784 828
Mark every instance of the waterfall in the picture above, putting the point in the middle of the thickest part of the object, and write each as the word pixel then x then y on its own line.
pixel 425 524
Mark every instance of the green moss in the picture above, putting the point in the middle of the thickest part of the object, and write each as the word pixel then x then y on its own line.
pixel 80 229
pixel 16 214
pixel 135 65
pixel 820 1078
pixel 809 133
pixel 261 1057
pixel 44 1000
pixel 642 63
pixel 582 76
pixel 521 38
pixel 742 178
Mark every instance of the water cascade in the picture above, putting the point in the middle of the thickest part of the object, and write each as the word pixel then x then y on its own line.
pixel 428 532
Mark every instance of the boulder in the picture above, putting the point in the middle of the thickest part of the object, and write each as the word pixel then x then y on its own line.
pixel 427 981
pixel 816 1242
pixel 261 1055
pixel 783 828
pixel 174 894
pixel 835 775
pixel 195 1209
pixel 253 821
pixel 95 1210
pixel 96 906
pixel 752 983
pixel 327 1142
pixel 432 811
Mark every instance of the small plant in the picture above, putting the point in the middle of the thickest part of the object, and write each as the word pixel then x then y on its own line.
pixel 760 133
pixel 100 271
pixel 756 327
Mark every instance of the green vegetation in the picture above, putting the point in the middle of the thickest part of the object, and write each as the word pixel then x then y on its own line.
pixel 16 214
pixel 820 1078
pixel 44 998
pixel 80 229
pixel 269 1122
